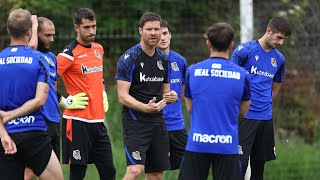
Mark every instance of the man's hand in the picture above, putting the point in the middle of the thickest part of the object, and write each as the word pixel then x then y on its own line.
pixel 105 101
pixel 8 145
pixel 171 97
pixel 153 107
pixel 78 101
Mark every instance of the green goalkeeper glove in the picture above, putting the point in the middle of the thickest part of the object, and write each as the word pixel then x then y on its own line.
pixel 78 101
pixel 105 101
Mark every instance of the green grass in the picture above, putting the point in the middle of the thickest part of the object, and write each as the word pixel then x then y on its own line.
pixel 296 160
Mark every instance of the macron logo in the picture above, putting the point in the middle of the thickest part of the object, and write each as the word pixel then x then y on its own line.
pixel 240 47
pixel 65 50
pixel 210 138
pixel 126 56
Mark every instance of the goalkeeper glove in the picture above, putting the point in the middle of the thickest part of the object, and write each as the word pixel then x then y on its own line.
pixel 78 101
pixel 105 101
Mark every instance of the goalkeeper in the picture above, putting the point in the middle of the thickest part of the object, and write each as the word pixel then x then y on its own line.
pixel 85 138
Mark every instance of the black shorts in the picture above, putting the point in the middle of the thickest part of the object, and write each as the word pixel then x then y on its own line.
pixel 85 143
pixel 178 140
pixel 54 133
pixel 147 144
pixel 33 150
pixel 256 139
pixel 197 165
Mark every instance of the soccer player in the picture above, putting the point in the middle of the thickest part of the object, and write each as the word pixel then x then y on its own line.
pixel 143 90
pixel 85 137
pixel 266 66
pixel 216 92
pixel 173 112
pixel 24 91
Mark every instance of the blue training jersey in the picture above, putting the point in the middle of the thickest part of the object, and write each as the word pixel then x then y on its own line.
pixel 173 112
pixel 216 87
pixel 51 108
pixel 264 68
pixel 21 68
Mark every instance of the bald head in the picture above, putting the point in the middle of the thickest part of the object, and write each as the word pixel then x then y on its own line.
pixel 18 23
pixel 42 21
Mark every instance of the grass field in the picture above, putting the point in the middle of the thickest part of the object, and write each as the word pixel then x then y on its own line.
pixel 296 160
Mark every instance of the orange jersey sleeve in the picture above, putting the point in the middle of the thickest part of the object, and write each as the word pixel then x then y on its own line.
pixel 81 69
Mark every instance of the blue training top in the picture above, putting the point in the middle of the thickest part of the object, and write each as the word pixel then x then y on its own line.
pixel 21 68
pixel 51 108
pixel 173 112
pixel 216 87
pixel 264 68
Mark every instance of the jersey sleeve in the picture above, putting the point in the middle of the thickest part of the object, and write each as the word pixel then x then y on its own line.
pixel 168 69
pixel 64 60
pixel 240 55
pixel 279 76
pixel 44 71
pixel 246 91
pixel 184 69
pixel 187 92
pixel 125 68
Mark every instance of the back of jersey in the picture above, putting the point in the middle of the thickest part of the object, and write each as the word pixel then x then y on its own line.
pixel 216 86
pixel 21 68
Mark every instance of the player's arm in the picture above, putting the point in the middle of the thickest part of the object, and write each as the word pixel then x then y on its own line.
pixel 30 106
pixel 33 42
pixel 246 97
pixel 7 143
pixel 127 100
pixel 276 86
pixel 188 103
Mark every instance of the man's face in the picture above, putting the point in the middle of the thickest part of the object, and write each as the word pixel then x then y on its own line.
pixel 164 42
pixel 150 33
pixel 46 36
pixel 86 30
pixel 275 39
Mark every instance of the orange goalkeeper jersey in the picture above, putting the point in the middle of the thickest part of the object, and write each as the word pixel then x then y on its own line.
pixel 81 69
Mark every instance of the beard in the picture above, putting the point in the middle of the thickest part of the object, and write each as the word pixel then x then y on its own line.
pixel 42 48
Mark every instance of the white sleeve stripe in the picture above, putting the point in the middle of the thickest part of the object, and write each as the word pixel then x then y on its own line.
pixel 66 56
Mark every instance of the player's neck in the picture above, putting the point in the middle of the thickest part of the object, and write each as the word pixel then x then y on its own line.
pixel 19 42
pixel 149 50
pixel 224 55
pixel 263 43
pixel 166 51
pixel 82 42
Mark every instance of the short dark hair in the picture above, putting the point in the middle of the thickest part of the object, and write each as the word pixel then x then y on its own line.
pixel 165 24
pixel 280 24
pixel 83 13
pixel 19 22
pixel 149 16
pixel 41 21
pixel 220 36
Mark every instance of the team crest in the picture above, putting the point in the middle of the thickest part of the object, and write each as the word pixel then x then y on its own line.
pixel 175 66
pixel 96 52
pixel 49 60
pixel 274 62
pixel 159 64
pixel 76 154
pixel 136 155
pixel 240 150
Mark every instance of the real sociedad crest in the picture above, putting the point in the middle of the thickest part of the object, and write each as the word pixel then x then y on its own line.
pixel 159 64
pixel 96 52
pixel 175 66
pixel 274 62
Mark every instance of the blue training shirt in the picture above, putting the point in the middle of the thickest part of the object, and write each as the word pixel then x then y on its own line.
pixel 21 68
pixel 51 107
pixel 216 87
pixel 173 112
pixel 264 68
